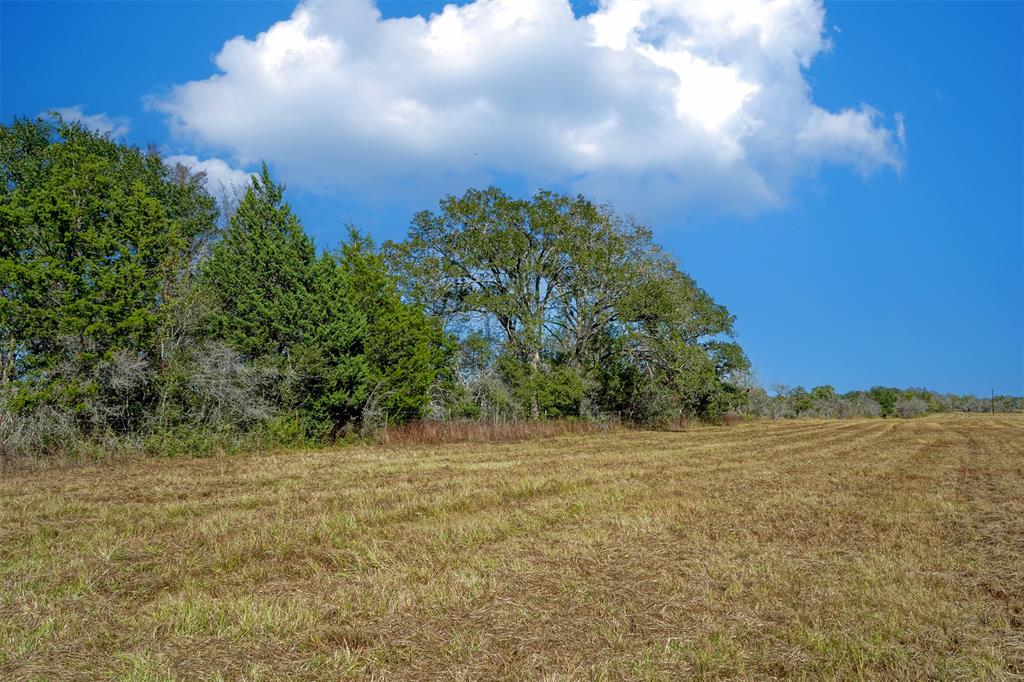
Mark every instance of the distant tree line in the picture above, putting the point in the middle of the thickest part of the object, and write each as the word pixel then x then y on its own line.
pixel 880 401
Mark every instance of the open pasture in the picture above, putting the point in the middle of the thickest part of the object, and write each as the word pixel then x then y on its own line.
pixel 862 548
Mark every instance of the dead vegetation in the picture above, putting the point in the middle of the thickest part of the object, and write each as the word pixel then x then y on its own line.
pixel 503 431
pixel 838 549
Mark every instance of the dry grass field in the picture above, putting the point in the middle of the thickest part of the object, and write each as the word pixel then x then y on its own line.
pixel 837 549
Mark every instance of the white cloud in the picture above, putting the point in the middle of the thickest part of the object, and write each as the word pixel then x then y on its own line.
pixel 642 102
pixel 218 172
pixel 118 126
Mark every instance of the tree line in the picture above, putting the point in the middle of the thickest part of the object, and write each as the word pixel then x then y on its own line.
pixel 879 401
pixel 140 311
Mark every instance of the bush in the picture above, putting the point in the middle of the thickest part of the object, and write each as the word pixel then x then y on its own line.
pixel 910 407
pixel 41 431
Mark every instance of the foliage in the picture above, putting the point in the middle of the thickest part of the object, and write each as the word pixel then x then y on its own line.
pixel 349 349
pixel 824 401
pixel 91 230
pixel 885 397
pixel 140 312
pixel 260 276
pixel 591 316
pixel 120 321
pixel 405 349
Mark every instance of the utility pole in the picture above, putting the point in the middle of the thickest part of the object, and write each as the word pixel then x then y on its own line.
pixel 993 402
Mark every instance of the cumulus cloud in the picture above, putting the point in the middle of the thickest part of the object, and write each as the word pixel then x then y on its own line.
pixel 639 102
pixel 118 126
pixel 218 172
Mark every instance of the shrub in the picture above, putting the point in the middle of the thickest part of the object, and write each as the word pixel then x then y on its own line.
pixel 910 407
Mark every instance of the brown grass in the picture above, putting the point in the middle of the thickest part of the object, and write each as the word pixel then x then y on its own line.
pixel 835 549
pixel 437 433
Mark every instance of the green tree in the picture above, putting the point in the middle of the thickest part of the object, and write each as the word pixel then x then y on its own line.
pixel 260 276
pixel 489 254
pixel 93 229
pixel 330 361
pixel 277 304
pixel 680 338
pixel 574 288
pixel 347 345
pixel 801 401
pixel 406 350
pixel 823 394
pixel 886 398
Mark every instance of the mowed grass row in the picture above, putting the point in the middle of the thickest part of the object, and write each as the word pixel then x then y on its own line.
pixel 874 548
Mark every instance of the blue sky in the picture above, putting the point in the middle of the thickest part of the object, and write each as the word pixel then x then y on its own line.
pixel 852 251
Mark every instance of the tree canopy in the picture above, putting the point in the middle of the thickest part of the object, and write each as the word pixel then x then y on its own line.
pixel 92 232
pixel 131 305
pixel 573 292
